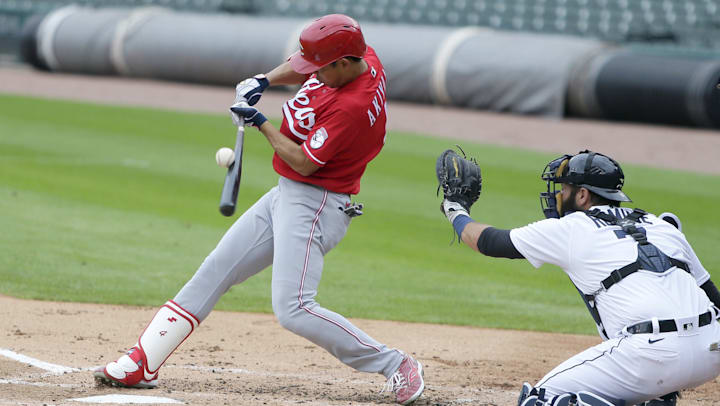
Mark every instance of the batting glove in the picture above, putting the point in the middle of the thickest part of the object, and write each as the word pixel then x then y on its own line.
pixel 452 210
pixel 251 89
pixel 249 115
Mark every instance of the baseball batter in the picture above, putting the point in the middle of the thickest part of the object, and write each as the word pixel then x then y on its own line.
pixel 652 300
pixel 331 129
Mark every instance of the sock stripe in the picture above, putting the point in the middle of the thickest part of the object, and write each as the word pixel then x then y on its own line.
pixel 186 314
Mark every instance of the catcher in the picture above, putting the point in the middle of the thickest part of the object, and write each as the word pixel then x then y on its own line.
pixel 652 300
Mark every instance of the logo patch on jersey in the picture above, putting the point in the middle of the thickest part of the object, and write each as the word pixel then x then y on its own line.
pixel 650 341
pixel 318 139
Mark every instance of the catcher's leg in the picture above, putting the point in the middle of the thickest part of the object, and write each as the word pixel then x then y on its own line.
pixel 637 367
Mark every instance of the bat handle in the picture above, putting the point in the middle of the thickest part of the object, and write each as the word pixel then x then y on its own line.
pixel 228 199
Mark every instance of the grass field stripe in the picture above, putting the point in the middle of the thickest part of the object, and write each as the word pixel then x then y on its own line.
pixel 55 369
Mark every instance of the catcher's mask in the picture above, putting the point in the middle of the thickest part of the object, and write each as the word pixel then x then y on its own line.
pixel 596 172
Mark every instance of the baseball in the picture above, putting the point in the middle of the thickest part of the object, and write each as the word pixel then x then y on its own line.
pixel 225 157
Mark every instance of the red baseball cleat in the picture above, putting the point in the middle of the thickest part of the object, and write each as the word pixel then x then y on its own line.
pixel 126 372
pixel 407 382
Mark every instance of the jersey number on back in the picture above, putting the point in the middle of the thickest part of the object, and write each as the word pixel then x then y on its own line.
pixel 620 234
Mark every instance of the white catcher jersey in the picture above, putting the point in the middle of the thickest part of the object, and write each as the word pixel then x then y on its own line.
pixel 588 250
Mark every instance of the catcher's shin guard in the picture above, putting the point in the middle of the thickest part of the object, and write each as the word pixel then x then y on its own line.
pixel 591 399
pixel 166 331
pixel 668 400
pixel 530 396
pixel 584 398
pixel 526 391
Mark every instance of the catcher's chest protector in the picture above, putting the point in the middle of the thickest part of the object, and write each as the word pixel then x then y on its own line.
pixel 650 258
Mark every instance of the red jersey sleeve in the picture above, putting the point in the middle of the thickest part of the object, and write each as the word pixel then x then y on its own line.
pixel 331 135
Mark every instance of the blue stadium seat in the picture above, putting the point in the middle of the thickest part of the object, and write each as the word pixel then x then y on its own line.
pixel 690 23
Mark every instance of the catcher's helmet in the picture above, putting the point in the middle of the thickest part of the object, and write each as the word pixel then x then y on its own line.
pixel 596 172
pixel 326 40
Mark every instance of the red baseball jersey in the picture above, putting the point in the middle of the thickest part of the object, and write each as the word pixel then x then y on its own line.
pixel 340 129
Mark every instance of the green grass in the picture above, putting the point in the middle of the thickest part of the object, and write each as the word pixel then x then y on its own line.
pixel 119 205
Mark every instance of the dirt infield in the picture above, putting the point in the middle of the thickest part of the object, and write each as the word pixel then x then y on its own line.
pixel 248 359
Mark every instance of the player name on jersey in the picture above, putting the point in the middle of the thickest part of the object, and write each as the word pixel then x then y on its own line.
pixel 619 212
pixel 379 101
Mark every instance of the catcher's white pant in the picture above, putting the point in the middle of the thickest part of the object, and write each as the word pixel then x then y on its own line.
pixel 640 367
pixel 291 227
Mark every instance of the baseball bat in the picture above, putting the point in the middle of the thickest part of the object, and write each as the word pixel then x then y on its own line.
pixel 228 198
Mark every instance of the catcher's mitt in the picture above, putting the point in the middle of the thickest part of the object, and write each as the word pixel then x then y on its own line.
pixel 459 178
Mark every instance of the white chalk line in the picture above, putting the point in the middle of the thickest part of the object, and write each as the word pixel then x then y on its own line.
pixel 54 370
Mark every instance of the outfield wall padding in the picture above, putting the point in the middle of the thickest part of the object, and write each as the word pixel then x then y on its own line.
pixel 471 67
pixel 631 86
pixel 76 39
pixel 515 72
pixel 29 44
pixel 468 67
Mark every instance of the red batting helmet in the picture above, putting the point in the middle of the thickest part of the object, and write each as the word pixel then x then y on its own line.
pixel 326 40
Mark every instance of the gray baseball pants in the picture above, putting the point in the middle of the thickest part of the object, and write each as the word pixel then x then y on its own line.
pixel 291 228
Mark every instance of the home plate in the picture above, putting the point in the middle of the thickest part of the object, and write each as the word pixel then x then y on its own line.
pixel 125 399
